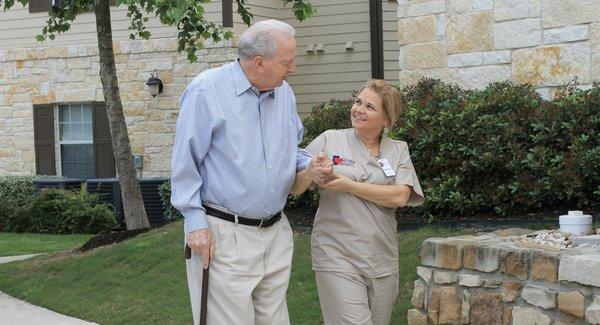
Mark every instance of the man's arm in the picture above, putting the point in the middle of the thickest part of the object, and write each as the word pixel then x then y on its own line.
pixel 303 180
pixel 319 171
pixel 303 160
pixel 192 140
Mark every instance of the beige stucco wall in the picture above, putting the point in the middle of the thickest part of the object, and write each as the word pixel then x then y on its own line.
pixel 546 43
pixel 70 73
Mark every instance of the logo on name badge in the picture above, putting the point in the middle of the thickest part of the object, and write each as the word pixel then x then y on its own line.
pixel 339 160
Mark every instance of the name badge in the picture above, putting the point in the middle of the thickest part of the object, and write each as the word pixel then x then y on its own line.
pixel 386 167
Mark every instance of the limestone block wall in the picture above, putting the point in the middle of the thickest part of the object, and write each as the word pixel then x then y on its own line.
pixel 546 43
pixel 501 278
pixel 70 74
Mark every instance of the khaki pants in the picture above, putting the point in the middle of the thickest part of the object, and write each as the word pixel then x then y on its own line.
pixel 249 274
pixel 354 299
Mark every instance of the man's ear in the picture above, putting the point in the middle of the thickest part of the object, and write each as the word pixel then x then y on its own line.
pixel 258 63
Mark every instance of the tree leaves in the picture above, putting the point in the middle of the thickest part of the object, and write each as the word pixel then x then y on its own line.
pixel 188 16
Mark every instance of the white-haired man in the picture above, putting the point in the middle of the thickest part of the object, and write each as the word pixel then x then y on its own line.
pixel 234 160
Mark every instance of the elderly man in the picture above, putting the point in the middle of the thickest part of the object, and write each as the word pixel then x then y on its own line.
pixel 234 160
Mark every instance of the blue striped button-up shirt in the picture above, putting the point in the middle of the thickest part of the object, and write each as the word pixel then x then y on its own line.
pixel 234 147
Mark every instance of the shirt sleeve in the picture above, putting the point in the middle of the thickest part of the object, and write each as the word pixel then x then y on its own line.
pixel 317 145
pixel 406 175
pixel 192 140
pixel 303 157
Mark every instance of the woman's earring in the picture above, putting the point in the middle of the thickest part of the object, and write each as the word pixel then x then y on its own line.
pixel 385 130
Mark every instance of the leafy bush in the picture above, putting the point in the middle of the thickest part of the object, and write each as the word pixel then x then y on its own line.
pixel 499 150
pixel 15 191
pixel 171 213
pixel 335 114
pixel 62 212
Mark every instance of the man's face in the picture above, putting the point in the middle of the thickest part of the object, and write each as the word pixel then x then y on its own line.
pixel 281 65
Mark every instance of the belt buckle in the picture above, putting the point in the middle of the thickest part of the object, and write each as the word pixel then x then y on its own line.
pixel 261 222
pixel 235 218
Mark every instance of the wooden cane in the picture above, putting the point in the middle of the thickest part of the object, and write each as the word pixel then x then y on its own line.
pixel 204 295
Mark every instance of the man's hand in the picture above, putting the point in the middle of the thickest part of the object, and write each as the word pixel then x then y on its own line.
pixel 322 169
pixel 202 242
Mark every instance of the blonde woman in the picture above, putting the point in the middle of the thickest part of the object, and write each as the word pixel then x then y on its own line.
pixel 364 179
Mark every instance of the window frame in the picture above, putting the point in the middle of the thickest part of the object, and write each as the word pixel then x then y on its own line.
pixel 59 142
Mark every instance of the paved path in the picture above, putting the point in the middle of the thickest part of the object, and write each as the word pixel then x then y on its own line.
pixel 19 312
pixel 8 259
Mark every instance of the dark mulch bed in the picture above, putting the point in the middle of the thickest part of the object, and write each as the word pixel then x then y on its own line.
pixel 301 219
pixel 111 238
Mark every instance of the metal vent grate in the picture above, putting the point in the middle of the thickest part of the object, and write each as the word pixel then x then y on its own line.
pixel 109 190
pixel 152 202
pixel 72 184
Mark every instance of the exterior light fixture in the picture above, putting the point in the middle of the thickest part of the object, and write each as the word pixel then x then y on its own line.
pixel 155 85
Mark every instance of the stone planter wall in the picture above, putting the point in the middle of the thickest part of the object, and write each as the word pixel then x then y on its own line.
pixel 70 74
pixel 546 43
pixel 500 278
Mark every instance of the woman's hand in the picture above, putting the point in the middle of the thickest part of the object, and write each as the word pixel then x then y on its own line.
pixel 339 183
pixel 322 169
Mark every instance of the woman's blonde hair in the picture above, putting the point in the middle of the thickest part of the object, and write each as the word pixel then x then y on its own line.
pixel 391 98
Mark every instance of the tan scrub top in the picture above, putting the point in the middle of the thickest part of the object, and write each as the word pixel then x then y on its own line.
pixel 351 234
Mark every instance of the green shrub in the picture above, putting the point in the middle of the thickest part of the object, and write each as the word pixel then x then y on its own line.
pixel 499 150
pixel 335 114
pixel 62 212
pixel 15 191
pixel 170 212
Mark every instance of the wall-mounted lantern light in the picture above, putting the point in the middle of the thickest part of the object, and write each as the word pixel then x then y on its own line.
pixel 155 85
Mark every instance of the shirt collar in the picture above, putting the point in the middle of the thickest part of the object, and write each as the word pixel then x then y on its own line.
pixel 242 84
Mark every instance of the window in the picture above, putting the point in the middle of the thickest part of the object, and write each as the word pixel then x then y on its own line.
pixel 76 140
pixel 79 143
pixel 39 5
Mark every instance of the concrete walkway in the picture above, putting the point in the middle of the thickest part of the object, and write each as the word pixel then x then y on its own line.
pixel 8 259
pixel 18 312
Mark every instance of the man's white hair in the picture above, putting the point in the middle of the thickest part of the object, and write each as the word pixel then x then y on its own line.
pixel 261 38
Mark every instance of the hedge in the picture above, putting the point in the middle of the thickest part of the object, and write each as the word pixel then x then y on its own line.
pixel 24 209
pixel 15 191
pixel 497 151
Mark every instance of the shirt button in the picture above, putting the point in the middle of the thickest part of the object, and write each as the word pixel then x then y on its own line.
pixel 268 211
pixel 270 167
pixel 272 191
pixel 263 122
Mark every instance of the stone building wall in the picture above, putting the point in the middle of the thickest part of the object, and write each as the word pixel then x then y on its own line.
pixel 70 74
pixel 546 43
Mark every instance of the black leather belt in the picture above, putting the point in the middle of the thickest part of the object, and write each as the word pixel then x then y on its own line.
pixel 267 222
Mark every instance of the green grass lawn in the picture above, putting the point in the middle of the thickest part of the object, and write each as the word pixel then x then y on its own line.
pixel 143 280
pixel 19 244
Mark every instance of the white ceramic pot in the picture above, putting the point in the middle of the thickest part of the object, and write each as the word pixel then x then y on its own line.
pixel 576 223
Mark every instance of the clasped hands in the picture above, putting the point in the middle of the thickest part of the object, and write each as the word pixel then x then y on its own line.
pixel 325 177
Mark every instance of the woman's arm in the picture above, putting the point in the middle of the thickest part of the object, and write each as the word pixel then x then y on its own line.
pixel 391 196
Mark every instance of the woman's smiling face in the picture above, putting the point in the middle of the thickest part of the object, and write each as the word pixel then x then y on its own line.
pixel 367 113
